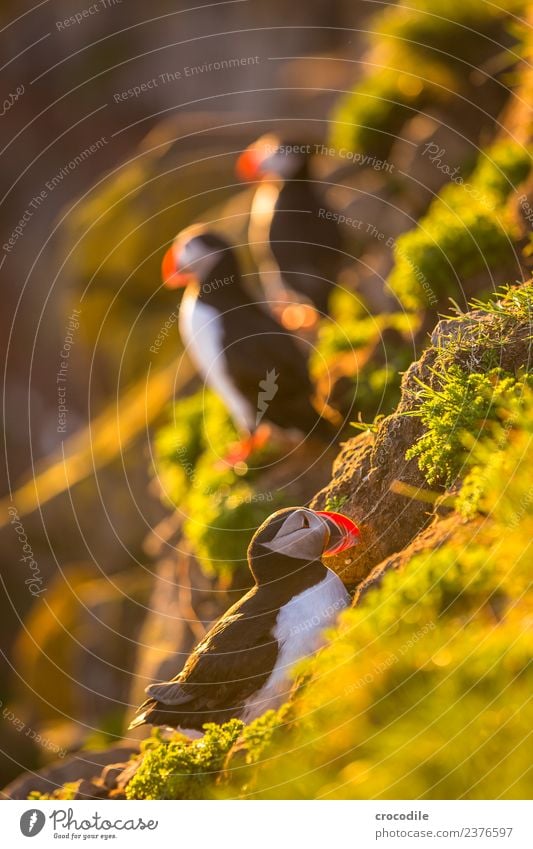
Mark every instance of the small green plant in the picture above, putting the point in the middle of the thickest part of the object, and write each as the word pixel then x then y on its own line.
pixel 336 502
pixel 181 768
pixel 510 302
pixel 461 407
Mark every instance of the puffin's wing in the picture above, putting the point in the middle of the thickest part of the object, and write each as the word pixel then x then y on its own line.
pixel 270 371
pixel 233 661
pixel 264 346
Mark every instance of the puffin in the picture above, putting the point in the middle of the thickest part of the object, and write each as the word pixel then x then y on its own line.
pixel 294 237
pixel 241 668
pixel 255 365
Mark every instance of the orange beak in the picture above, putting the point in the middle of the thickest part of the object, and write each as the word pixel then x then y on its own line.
pixel 249 165
pixel 344 533
pixel 172 277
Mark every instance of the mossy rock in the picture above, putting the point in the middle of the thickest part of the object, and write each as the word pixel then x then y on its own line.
pixel 441 41
pixel 372 472
pixel 467 231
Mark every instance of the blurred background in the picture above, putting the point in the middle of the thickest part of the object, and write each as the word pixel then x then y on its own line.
pixel 165 157
pixel 121 125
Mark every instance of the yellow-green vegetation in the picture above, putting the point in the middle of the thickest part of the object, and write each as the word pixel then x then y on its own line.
pixel 493 462
pixel 66 792
pixel 469 397
pixel 351 327
pixel 221 505
pixel 467 230
pixel 355 344
pixel 178 768
pixel 371 117
pixel 424 52
pixel 456 414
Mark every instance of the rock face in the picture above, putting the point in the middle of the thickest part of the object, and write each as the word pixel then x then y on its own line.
pixel 363 474
pixel 80 768
pixel 371 472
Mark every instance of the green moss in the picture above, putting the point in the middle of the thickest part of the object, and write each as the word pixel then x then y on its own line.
pixel 370 118
pixel 460 409
pixel 439 23
pixel 221 522
pixel 433 261
pixel 494 460
pixel 357 346
pixel 351 327
pixel 221 506
pixel 181 768
pixel 435 39
pixel 264 732
pixel 193 425
pixel 66 792
pixel 502 169
pixel 466 230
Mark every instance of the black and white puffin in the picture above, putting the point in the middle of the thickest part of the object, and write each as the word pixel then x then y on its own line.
pixel 296 242
pixel 256 366
pixel 241 668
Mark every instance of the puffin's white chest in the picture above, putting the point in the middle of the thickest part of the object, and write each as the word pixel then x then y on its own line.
pixel 299 630
pixel 202 332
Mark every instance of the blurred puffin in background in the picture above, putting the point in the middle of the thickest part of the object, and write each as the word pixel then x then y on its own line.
pixel 295 240
pixel 256 366
pixel 241 668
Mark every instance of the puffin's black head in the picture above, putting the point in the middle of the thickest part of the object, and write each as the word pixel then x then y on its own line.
pixel 271 156
pixel 291 537
pixel 199 256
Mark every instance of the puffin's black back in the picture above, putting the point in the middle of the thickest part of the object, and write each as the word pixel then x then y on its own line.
pixel 306 245
pixel 254 345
